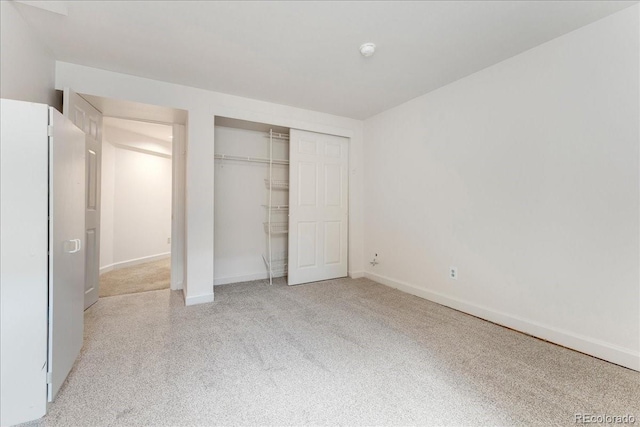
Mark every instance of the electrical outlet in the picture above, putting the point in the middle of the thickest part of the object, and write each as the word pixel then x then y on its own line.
pixel 375 260
pixel 168 239
pixel 453 273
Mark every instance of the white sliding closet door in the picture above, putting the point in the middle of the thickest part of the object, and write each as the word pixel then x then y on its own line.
pixel 318 206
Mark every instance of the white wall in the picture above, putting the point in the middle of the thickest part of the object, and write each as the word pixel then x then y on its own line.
pixel 203 106
pixel 136 199
pixel 525 177
pixel 142 206
pixel 240 192
pixel 27 67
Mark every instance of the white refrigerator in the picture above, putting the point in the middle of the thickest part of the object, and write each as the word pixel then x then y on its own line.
pixel 42 235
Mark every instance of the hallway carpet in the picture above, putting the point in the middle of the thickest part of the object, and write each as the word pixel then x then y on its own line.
pixel 150 276
pixel 340 352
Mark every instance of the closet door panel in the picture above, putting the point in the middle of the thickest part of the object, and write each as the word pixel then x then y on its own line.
pixel 332 244
pixel 333 185
pixel 318 209
pixel 307 244
pixel 308 184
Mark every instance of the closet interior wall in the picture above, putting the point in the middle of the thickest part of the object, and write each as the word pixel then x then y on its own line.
pixel 241 200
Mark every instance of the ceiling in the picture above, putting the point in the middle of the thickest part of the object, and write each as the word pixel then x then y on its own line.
pixel 305 54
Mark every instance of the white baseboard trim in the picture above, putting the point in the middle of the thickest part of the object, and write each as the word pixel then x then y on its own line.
pixel 356 274
pixel 106 269
pixel 132 262
pixel 244 278
pixel 594 347
pixel 198 299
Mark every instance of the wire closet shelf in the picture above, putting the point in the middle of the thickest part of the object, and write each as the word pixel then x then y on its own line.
pixel 276 263
pixel 250 159
pixel 277 207
pixel 276 184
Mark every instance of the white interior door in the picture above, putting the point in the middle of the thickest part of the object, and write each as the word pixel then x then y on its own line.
pixel 318 206
pixel 66 248
pixel 89 120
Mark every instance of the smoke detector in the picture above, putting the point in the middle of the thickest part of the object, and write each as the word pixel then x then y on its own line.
pixel 367 49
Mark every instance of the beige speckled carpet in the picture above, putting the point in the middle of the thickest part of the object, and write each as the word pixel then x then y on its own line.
pixel 150 276
pixel 341 352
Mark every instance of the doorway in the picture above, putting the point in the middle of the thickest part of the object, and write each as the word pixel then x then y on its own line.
pixel 135 227
pixel 137 206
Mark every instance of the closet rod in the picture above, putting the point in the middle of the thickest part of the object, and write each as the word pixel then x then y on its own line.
pixel 277 207
pixel 250 159
pixel 279 136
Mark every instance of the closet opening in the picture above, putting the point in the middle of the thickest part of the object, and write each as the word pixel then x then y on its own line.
pixel 251 202
pixel 281 200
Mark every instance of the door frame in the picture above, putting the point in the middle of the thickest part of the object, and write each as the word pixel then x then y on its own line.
pixel 178 198
pixel 178 188
pixel 178 206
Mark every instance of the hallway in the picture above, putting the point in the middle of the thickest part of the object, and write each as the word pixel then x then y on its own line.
pixel 150 276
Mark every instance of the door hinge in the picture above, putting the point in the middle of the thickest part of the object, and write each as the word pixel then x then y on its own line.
pixel 49 130
pixel 49 377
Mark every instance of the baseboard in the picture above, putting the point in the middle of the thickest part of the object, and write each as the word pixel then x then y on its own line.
pixel 106 269
pixel 356 274
pixel 244 278
pixel 132 262
pixel 597 348
pixel 198 299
